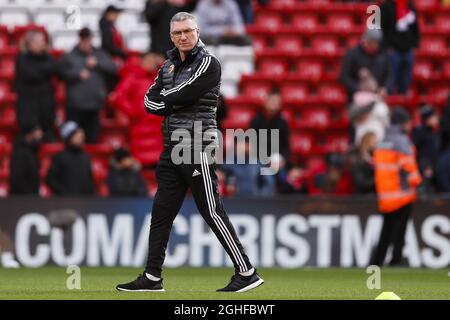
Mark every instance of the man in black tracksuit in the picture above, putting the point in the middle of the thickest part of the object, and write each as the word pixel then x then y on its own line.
pixel 186 92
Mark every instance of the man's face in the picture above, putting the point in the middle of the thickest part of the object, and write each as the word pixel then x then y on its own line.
pixel 78 138
pixel 37 44
pixel 85 44
pixel 371 46
pixel 273 104
pixel 127 163
pixel 112 16
pixel 433 121
pixel 184 35
pixel 35 136
pixel 407 127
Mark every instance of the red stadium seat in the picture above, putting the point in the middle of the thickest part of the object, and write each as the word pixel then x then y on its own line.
pixel 352 40
pixel 260 44
pixel 115 139
pixel 337 143
pixel 311 70
pixel 273 67
pixel 103 190
pixel 4 37
pixel 99 169
pixel 60 91
pixel 442 23
pixel 325 45
pixel 446 70
pixel 104 150
pixel 423 70
pixel 433 46
pixel 294 92
pixel 305 22
pixel 283 3
pixel 147 157
pixel 44 166
pixel 256 90
pixel 316 118
pixel 289 116
pixel 50 149
pixel 7 117
pixel 4 90
pixel 301 143
pixel 438 95
pixel 332 93
pixel 269 21
pixel 5 138
pixel 341 22
pixel 4 169
pixel 425 4
pixel 7 67
pixel 238 118
pixel 289 44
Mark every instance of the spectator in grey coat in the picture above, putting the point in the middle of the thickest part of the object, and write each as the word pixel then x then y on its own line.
pixel 367 62
pixel 86 70
pixel 220 22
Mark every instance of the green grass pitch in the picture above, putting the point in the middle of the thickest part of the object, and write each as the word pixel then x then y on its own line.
pixel 201 283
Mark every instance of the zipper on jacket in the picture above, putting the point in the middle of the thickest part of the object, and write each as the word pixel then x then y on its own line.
pixel 175 76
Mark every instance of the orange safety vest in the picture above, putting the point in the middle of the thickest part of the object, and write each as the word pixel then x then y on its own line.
pixel 396 171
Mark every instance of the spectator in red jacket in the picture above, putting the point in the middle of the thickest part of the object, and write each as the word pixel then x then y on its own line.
pixel 145 129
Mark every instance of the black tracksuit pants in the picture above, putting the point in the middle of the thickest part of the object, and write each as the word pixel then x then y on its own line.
pixel 393 232
pixel 173 182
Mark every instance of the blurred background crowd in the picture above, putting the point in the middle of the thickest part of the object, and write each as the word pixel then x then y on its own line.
pixel 73 121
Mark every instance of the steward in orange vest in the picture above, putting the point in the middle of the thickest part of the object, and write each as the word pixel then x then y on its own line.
pixel 396 179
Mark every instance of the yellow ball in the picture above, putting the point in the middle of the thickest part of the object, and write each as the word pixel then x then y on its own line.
pixel 388 296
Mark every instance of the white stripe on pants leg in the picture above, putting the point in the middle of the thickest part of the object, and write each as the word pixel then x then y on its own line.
pixel 217 219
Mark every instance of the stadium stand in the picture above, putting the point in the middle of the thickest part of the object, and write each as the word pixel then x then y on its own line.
pixel 297 48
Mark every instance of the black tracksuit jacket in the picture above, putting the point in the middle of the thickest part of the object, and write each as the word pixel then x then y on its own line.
pixel 185 92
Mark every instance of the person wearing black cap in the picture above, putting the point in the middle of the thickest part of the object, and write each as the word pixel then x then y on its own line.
pixel 86 71
pixel 24 162
pixel 427 142
pixel 124 178
pixel 70 170
pixel 112 40
pixel 396 180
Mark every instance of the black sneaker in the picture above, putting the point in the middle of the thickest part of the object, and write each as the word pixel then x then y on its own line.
pixel 240 283
pixel 142 284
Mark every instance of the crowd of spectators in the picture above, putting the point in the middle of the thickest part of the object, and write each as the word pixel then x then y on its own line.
pixel 379 65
